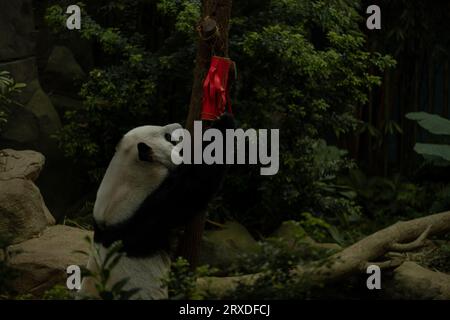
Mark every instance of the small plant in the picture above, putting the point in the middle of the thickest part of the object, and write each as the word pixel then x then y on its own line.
pixel 102 276
pixel 58 292
pixel 182 281
pixel 7 88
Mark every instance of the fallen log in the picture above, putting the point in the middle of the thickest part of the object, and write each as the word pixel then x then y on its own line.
pixel 384 248
pixel 413 281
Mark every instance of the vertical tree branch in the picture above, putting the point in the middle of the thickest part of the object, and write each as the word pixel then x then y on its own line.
pixel 219 11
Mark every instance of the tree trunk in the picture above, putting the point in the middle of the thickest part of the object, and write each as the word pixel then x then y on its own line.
pixel 219 12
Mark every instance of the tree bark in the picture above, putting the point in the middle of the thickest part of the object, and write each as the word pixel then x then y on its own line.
pixel 219 12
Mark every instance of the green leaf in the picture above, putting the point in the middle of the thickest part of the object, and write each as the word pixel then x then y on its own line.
pixel 19 86
pixel 112 263
pixel 431 122
pixel 126 295
pixel 434 150
pixel 118 286
pixel 113 250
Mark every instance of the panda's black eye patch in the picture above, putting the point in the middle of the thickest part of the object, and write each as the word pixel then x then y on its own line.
pixel 145 152
pixel 168 137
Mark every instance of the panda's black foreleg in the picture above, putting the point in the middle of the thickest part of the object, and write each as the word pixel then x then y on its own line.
pixel 192 186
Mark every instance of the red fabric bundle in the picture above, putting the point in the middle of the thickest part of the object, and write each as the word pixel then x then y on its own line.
pixel 216 89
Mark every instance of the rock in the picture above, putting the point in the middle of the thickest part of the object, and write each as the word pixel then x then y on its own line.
pixel 21 131
pixel 23 213
pixel 20 164
pixel 62 70
pixel 33 125
pixel 64 103
pixel 294 236
pixel 41 106
pixel 42 261
pixel 17 29
pixel 63 63
pixel 221 248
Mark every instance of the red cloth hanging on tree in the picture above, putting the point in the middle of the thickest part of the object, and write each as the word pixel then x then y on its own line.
pixel 216 98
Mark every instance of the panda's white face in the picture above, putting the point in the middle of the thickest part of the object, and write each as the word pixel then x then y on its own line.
pixel 142 161
pixel 148 145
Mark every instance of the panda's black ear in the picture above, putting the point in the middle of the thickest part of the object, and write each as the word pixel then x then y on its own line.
pixel 145 152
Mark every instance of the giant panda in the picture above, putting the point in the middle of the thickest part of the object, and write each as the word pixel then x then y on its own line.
pixel 141 199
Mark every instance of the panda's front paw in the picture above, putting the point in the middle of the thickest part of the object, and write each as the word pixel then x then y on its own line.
pixel 225 121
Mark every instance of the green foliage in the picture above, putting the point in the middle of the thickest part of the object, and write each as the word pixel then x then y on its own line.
pixel 186 13
pixel 126 93
pixel 437 154
pixel 58 292
pixel 315 227
pixel 181 281
pixel 441 199
pixel 384 197
pixel 439 259
pixel 8 87
pixel 104 264
pixel 273 262
pixel 306 73
pixel 278 253
pixel 431 122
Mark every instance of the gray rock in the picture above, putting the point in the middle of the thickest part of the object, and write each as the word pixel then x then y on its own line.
pixel 32 125
pixel 22 130
pixel 23 213
pixel 64 103
pixel 63 71
pixel 221 248
pixel 41 106
pixel 16 29
pixel 20 164
pixel 42 261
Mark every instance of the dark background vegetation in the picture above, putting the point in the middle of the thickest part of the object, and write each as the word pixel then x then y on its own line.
pixel 311 69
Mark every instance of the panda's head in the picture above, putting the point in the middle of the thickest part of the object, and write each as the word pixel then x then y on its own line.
pixel 148 145
pixel 142 161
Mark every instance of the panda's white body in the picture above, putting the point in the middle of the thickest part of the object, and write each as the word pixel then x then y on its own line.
pixel 143 195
